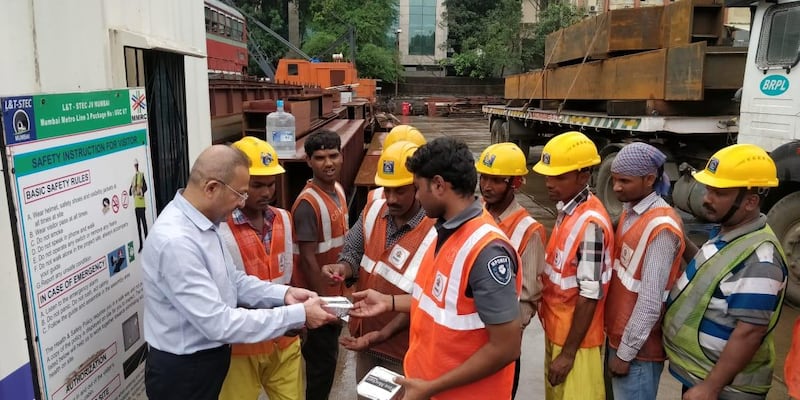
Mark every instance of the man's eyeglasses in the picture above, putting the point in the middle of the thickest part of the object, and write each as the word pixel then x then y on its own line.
pixel 242 196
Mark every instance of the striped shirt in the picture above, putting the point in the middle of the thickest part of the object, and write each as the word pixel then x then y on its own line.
pixel 749 293
pixel 592 251
pixel 353 248
pixel 658 258
pixel 266 234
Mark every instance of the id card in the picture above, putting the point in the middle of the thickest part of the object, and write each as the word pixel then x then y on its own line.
pixel 379 384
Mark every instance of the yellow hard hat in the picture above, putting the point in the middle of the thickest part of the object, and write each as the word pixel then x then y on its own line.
pixel 570 151
pixel 404 132
pixel 502 159
pixel 739 165
pixel 392 171
pixel 263 158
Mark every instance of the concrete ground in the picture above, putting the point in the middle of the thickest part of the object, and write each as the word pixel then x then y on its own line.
pixel 476 133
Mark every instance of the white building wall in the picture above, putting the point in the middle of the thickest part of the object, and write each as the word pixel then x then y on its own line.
pixel 52 46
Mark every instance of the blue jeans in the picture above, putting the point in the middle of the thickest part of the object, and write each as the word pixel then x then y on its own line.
pixel 642 380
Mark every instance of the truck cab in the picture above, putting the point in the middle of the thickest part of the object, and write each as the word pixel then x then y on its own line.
pixel 770 116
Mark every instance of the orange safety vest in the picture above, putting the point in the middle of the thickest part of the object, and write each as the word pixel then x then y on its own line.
pixel 791 369
pixel 446 329
pixel 375 194
pixel 626 279
pixel 520 227
pixel 559 281
pixel 332 226
pixel 389 270
pixel 275 266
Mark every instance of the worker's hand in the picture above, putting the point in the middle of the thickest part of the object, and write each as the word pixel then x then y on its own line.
pixel 335 274
pixel 369 303
pixel 316 316
pixel 298 295
pixel 702 391
pixel 618 367
pixel 415 389
pixel 362 342
pixel 560 368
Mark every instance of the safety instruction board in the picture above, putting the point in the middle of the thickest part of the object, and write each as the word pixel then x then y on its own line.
pixel 80 179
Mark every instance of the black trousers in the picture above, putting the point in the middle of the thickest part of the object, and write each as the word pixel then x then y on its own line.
pixel 321 350
pixel 141 223
pixel 516 378
pixel 197 376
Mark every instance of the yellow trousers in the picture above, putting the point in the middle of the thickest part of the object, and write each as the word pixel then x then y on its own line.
pixel 279 373
pixel 584 381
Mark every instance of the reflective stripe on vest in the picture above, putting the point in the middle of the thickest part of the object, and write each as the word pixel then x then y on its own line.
pixel 555 272
pixel 288 243
pixel 627 275
pixel 371 217
pixel 519 231
pixel 404 281
pixel 327 242
pixel 375 194
pixel 684 314
pixel 448 316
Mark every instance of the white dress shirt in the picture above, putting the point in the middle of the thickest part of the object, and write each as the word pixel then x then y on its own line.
pixel 192 290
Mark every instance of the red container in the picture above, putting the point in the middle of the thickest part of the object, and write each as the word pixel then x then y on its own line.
pixel 406 108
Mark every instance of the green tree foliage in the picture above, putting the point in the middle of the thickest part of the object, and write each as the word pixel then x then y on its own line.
pixel 485 36
pixel 555 16
pixel 375 50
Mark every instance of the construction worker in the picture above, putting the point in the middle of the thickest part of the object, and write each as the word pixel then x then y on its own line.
pixel 196 302
pixel 383 250
pixel 320 222
pixel 723 307
pixel 647 259
pixel 791 369
pixel 464 310
pixel 577 271
pixel 137 190
pixel 400 133
pixel 260 240
pixel 502 168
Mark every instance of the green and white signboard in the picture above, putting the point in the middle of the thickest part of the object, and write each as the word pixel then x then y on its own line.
pixel 80 172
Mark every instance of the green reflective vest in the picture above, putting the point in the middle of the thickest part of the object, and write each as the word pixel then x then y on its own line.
pixel 683 317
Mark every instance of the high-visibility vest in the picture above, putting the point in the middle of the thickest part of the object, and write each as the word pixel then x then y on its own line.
pixel 559 281
pixel 332 226
pixel 626 279
pixel 520 227
pixel 274 267
pixel 791 369
pixel 685 312
pixel 446 329
pixel 389 270
pixel 375 194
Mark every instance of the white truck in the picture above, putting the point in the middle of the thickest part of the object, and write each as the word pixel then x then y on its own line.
pixel 768 116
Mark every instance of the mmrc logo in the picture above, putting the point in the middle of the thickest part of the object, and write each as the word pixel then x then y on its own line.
pixel 546 158
pixel 138 105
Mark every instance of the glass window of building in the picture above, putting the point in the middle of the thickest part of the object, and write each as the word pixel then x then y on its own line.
pixel 422 27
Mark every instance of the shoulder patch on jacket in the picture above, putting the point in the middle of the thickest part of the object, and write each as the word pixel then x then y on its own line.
pixel 500 269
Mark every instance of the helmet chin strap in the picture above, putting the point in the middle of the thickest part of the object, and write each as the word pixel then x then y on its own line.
pixel 735 206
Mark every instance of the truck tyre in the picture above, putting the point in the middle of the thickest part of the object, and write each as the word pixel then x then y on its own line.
pixel 605 188
pixel 496 131
pixel 784 218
